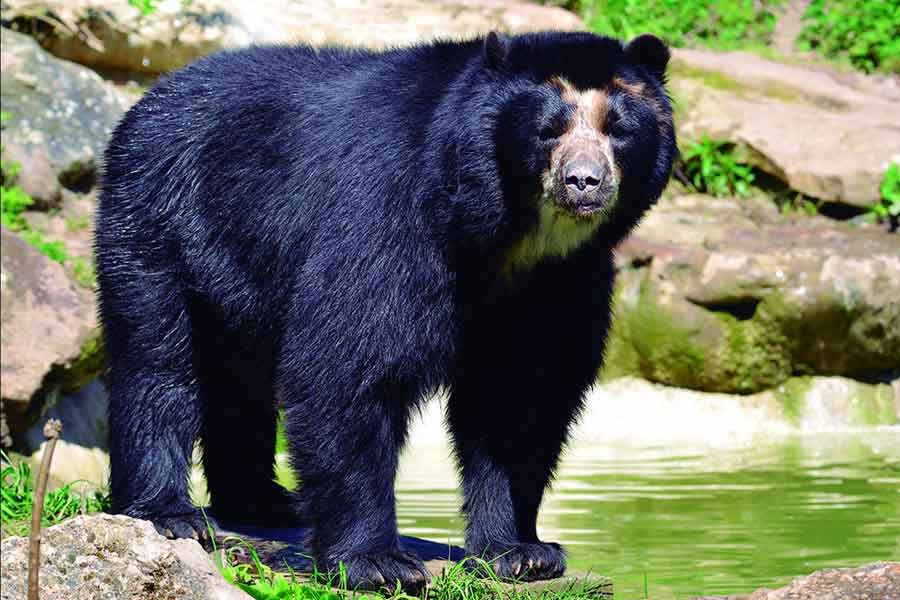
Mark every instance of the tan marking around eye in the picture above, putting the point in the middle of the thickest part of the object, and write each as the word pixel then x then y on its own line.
pixel 635 89
pixel 640 92
pixel 590 105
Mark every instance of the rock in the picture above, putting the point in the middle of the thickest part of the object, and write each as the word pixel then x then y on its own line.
pixel 879 580
pixel 87 469
pixel 112 35
pixel 728 296
pixel 49 342
pixel 60 117
pixel 73 225
pixel 826 135
pixel 101 557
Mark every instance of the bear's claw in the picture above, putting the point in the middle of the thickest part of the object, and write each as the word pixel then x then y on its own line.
pixel 381 571
pixel 188 525
pixel 523 562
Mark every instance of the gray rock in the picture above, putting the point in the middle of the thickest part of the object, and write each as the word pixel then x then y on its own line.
pixel 49 341
pixel 106 557
pixel 729 296
pixel 60 117
pixel 877 580
pixel 824 134
pixel 111 34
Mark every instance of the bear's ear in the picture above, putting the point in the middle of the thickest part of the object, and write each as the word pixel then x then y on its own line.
pixel 649 51
pixel 496 48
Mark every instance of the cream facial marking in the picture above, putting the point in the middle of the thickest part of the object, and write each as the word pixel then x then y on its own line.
pixel 561 228
pixel 585 133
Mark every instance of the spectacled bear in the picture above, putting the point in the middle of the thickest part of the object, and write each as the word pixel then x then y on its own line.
pixel 338 233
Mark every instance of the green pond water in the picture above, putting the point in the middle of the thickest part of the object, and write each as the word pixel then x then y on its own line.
pixel 698 520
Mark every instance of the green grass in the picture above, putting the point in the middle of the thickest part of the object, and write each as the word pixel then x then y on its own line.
pixel 865 33
pixel 17 494
pixel 456 582
pixel 729 24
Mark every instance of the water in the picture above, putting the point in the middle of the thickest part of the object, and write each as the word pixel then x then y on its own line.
pixel 698 519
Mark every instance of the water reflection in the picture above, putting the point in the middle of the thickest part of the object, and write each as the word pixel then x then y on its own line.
pixel 699 520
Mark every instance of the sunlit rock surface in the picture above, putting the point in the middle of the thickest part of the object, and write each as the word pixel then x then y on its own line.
pixel 60 116
pixel 105 557
pixel 49 338
pixel 176 34
pixel 878 580
pixel 827 134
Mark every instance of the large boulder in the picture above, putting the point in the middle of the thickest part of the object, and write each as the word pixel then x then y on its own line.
pixel 105 556
pixel 112 35
pixel 826 134
pixel 60 116
pixel 729 296
pixel 49 341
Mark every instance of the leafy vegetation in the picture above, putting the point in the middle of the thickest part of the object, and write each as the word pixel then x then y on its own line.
pixel 889 207
pixel 147 7
pixel 864 32
pixel 17 493
pixel 713 168
pixel 725 25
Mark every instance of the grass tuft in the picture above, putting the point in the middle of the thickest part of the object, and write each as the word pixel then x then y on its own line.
pixel 17 495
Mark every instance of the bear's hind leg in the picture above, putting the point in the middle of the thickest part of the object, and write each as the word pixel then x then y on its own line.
pixel 238 439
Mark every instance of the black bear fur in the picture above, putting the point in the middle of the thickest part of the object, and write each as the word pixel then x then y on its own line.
pixel 324 231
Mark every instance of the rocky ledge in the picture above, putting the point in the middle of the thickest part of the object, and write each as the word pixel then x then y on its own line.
pixel 725 295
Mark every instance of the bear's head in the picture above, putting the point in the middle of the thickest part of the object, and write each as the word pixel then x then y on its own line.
pixel 583 136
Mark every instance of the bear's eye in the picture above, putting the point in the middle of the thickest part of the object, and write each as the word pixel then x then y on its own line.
pixel 552 129
pixel 615 125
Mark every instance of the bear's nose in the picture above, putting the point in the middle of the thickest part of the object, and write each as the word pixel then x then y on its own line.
pixel 583 174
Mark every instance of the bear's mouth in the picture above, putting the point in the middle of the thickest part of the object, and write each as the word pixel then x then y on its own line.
pixel 598 204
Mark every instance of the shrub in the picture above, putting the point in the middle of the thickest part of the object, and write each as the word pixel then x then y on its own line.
pixel 889 207
pixel 713 168
pixel 865 32
pixel 727 24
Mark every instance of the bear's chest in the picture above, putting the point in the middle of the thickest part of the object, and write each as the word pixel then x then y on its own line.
pixel 555 235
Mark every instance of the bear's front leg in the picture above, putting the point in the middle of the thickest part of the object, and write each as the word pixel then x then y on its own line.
pixel 503 485
pixel 508 432
pixel 344 450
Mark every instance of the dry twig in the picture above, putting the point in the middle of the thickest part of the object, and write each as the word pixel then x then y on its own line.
pixel 51 432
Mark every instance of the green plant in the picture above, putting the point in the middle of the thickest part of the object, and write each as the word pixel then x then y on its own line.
pixel 84 272
pixel 147 7
pixel 727 24
pixel 713 168
pixel 865 32
pixel 889 207
pixel 17 493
